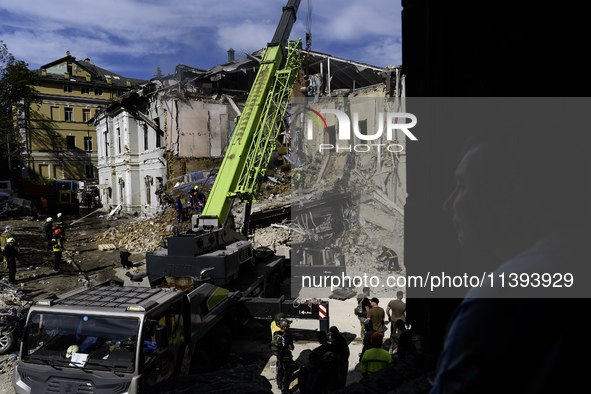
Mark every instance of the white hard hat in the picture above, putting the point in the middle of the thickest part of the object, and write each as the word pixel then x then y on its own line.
pixel 71 350
pixel 10 240
pixel 59 215
pixel 49 220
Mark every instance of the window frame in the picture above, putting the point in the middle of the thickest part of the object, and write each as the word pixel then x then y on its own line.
pixel 70 111
pixel 70 142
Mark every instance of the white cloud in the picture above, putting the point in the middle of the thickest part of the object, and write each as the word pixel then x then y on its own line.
pixel 39 31
pixel 247 35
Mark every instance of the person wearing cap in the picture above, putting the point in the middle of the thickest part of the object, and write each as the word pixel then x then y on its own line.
pixel 284 368
pixel 376 358
pixel 342 348
pixel 10 253
pixel 201 199
pixel 275 323
pixel 376 314
pixel 57 246
pixel 193 195
pixel 48 230
pixel 59 223
pixel 367 337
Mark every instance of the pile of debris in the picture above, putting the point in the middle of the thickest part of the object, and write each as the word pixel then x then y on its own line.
pixel 145 235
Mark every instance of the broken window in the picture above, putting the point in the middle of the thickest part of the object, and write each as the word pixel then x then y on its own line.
pixel 84 90
pixel 159 134
pixel 159 138
pixel 106 139
pixel 118 140
pixel 67 88
pixel 148 192
pixel 145 136
pixel 98 91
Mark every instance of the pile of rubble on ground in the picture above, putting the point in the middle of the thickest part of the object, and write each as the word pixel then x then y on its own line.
pixel 351 204
pixel 144 235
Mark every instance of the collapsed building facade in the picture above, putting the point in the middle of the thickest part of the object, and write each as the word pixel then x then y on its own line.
pixel 173 131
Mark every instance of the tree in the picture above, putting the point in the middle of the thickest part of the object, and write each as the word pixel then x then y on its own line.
pixel 17 95
pixel 158 72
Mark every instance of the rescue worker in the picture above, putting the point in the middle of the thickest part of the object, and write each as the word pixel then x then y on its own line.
pixel 48 230
pixel 285 359
pixel 57 246
pixel 124 256
pixel 200 201
pixel 276 323
pixel 376 358
pixel 390 256
pixel 193 194
pixel 59 223
pixel 10 253
pixel 178 205
pixel 296 176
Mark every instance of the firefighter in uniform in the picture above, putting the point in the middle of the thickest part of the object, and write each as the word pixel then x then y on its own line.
pixel 10 253
pixel 58 247
pixel 389 255
pixel 59 223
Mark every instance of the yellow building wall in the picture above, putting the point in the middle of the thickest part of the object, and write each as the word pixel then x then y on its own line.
pixel 49 129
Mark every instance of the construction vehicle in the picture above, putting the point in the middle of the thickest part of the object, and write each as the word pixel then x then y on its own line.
pixel 212 242
pixel 116 338
pixel 123 339
pixel 56 196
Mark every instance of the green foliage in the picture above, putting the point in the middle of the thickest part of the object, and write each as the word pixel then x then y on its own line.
pixel 17 95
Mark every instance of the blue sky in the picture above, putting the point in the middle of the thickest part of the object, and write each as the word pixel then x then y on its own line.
pixel 133 37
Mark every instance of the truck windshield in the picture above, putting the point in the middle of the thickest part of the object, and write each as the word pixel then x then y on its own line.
pixel 83 341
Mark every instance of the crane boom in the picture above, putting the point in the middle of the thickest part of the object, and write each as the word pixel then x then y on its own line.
pixel 212 246
pixel 250 148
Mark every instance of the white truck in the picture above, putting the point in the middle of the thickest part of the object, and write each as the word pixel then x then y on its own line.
pixel 122 339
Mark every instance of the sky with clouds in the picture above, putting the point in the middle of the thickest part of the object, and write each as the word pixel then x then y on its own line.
pixel 133 37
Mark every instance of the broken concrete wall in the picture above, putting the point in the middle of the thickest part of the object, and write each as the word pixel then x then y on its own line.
pixel 197 128
pixel 368 165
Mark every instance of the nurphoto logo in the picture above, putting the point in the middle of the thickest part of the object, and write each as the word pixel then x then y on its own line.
pixel 344 130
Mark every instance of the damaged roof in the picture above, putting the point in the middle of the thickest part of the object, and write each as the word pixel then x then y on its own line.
pixel 343 72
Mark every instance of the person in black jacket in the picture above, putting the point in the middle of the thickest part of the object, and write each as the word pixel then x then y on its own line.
pixel 48 230
pixel 10 252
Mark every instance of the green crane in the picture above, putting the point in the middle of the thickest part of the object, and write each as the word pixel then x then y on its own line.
pixel 253 141
pixel 211 246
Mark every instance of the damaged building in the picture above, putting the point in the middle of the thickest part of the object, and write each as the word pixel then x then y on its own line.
pixel 174 130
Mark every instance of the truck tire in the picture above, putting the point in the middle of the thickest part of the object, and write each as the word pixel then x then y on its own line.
pixel 7 342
